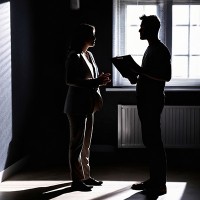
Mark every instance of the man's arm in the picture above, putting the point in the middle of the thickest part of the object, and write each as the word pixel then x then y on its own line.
pixel 157 66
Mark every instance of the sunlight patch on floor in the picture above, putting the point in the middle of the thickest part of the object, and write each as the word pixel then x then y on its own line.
pixel 112 190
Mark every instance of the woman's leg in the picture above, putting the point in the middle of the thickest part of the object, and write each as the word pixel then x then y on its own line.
pixel 85 154
pixel 77 132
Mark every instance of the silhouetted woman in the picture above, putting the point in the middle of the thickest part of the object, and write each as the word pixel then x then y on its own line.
pixel 82 101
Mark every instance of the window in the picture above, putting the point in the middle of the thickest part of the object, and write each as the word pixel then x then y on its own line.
pixel 180 31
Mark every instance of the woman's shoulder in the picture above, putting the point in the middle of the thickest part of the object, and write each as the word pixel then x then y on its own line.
pixel 73 58
pixel 73 55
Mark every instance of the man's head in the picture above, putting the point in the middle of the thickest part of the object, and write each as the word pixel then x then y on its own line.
pixel 149 27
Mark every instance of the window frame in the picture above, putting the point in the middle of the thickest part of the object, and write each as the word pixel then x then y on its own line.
pixel 165 35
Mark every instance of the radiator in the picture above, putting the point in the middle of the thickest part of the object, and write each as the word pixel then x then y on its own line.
pixel 180 127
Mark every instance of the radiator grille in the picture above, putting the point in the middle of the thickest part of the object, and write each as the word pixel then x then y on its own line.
pixel 180 126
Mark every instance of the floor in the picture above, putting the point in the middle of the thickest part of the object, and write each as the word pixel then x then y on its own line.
pixel 119 170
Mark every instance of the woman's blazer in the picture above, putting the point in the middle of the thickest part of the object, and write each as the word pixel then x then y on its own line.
pixel 83 95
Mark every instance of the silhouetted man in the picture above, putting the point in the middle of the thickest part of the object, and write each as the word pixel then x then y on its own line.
pixel 152 75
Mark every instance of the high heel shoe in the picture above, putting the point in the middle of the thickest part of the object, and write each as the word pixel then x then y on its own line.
pixel 80 186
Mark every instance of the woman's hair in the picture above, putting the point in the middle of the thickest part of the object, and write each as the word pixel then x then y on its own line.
pixel 81 34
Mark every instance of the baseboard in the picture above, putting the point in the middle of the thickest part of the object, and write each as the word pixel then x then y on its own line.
pixel 11 170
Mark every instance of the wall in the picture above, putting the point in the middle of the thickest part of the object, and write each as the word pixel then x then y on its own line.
pixel 37 55
pixel 18 86
pixel 5 83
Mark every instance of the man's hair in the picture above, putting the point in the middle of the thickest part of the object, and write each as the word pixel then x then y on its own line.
pixel 151 22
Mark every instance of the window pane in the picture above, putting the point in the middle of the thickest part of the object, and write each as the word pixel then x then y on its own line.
pixel 136 11
pixel 195 15
pixel 133 14
pixel 195 40
pixel 185 41
pixel 194 67
pixel 134 45
pixel 180 14
pixel 138 59
pixel 180 40
pixel 180 67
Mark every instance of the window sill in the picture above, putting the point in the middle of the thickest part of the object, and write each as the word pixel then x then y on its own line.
pixel 167 88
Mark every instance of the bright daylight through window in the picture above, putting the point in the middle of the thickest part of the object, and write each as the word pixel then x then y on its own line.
pixel 180 31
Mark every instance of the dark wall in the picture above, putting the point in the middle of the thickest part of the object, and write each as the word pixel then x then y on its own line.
pixel 23 78
pixel 51 32
pixel 40 35
pixel 38 42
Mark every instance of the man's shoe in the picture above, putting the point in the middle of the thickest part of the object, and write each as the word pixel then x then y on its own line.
pixel 150 189
pixel 141 186
pixel 156 191
pixel 91 181
pixel 80 186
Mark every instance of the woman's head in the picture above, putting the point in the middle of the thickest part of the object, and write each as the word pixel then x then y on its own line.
pixel 84 35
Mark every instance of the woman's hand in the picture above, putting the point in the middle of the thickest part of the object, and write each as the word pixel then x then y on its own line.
pixel 104 79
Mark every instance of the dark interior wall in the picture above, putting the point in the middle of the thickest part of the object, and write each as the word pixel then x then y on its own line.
pixel 51 33
pixel 22 69
pixel 40 35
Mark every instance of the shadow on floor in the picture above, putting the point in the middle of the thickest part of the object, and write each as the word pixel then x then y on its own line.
pixel 40 193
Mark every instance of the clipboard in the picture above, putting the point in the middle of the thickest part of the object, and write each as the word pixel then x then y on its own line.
pixel 126 65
